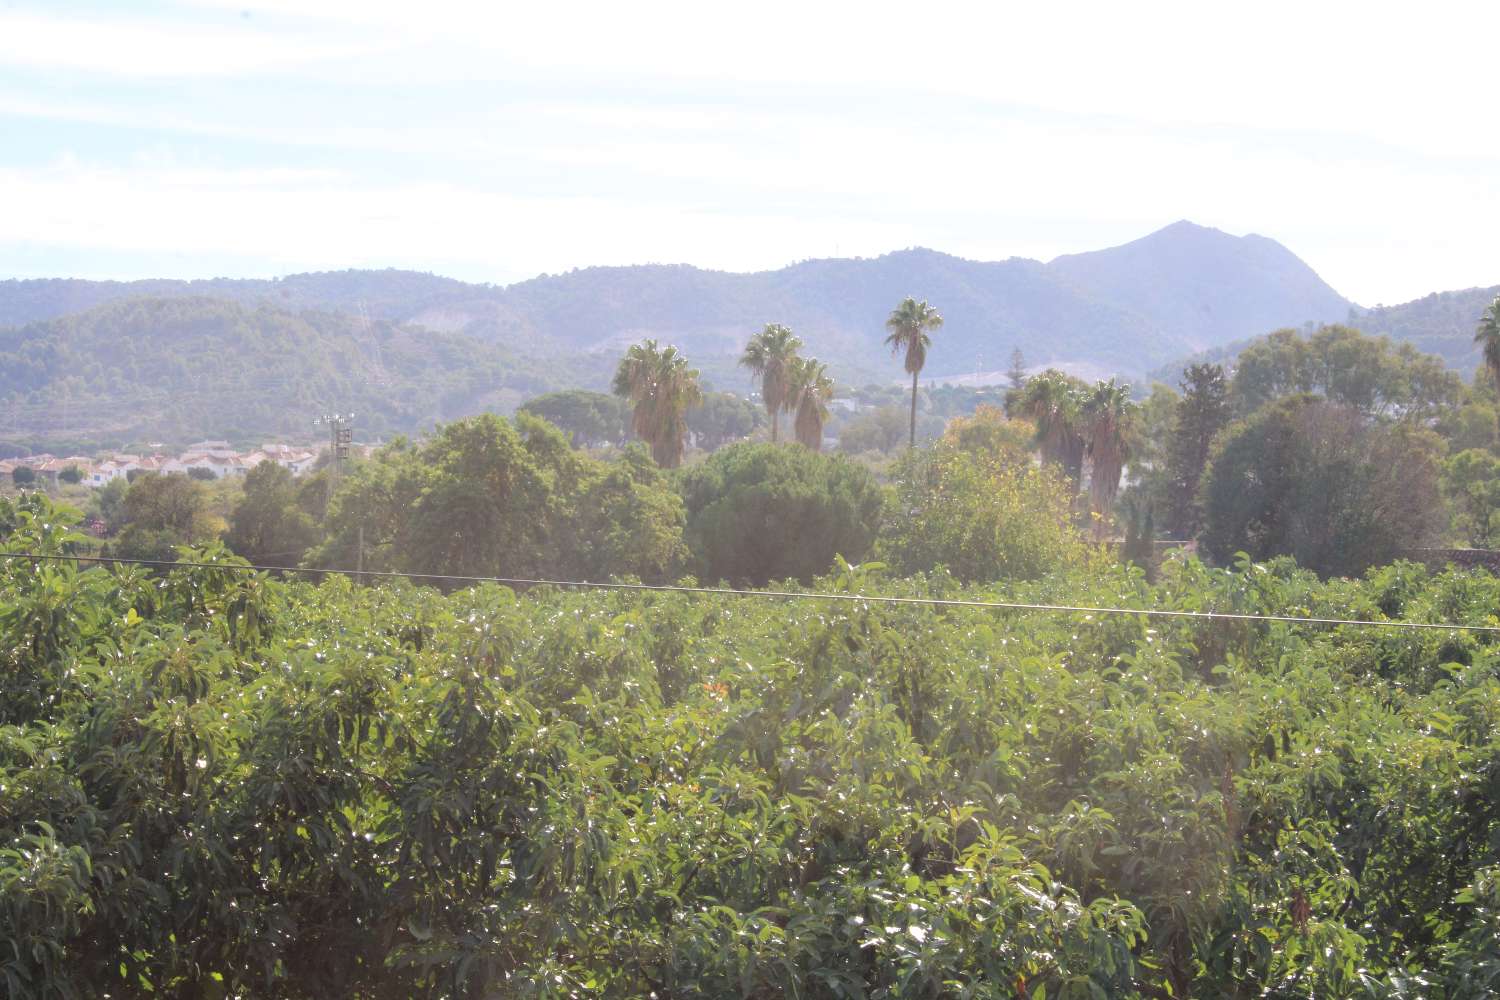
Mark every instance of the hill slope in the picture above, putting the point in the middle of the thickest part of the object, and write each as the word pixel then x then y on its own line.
pixel 175 369
pixel 1442 323
pixel 1124 309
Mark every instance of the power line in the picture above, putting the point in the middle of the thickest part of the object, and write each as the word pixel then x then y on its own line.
pixel 771 594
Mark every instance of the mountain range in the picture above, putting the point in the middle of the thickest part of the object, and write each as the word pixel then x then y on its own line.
pixel 1125 310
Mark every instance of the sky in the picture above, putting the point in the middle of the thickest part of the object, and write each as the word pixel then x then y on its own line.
pixel 495 142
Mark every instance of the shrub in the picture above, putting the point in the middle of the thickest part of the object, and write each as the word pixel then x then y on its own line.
pixel 762 512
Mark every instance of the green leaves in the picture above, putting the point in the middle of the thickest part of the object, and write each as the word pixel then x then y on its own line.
pixel 216 783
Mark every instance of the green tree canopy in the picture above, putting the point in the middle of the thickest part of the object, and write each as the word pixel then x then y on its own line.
pixel 1323 483
pixel 722 419
pixel 1370 374
pixel 1471 482
pixel 758 513
pixel 590 419
pixel 976 504
pixel 1201 414
pixel 488 497
pixel 271 526
pixel 163 512
pixel 883 429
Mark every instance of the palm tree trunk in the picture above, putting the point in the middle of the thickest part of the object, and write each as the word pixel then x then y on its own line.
pixel 775 421
pixel 913 441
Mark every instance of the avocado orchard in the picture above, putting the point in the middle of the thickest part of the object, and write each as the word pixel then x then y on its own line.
pixel 217 783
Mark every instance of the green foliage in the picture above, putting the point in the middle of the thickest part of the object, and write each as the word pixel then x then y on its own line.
pixel 771 356
pixel 978 506
pixel 271 525
pixel 1441 323
pixel 590 419
pixel 23 475
pixel 722 419
pixel 1471 482
pixel 107 503
pixel 884 429
pixel 661 388
pixel 1200 416
pixel 1369 374
pixel 1322 483
pixel 756 513
pixel 72 475
pixel 214 783
pixel 488 497
pixel 162 512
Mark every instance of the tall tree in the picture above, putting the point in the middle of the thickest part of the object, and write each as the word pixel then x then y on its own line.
pixel 270 526
pixel 661 386
pixel 1052 401
pixel 909 325
pixel 1017 373
pixel 810 391
pixel 1201 413
pixel 1487 336
pixel 769 356
pixel 1324 483
pixel 1106 414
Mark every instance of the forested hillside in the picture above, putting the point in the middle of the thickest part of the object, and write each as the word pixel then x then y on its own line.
pixel 1441 323
pixel 1120 310
pixel 175 369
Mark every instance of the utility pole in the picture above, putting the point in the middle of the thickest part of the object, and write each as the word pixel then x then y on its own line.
pixel 341 447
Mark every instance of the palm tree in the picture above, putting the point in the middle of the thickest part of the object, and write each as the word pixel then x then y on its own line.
pixel 909 323
pixel 1053 401
pixel 662 387
pixel 1488 337
pixel 1107 412
pixel 769 355
pixel 810 388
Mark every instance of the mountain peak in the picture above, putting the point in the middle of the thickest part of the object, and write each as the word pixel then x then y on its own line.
pixel 1200 283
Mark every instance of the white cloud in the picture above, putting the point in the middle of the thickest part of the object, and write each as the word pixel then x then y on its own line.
pixel 161 47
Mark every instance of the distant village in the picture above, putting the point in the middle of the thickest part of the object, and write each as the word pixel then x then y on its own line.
pixel 202 459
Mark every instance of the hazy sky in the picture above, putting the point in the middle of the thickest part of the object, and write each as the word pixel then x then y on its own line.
pixel 500 140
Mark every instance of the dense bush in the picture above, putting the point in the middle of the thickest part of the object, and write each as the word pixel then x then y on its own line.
pixel 761 512
pixel 213 783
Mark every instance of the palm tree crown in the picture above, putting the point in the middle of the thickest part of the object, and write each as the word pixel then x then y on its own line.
pixel 909 324
pixel 1107 413
pixel 810 389
pixel 1487 336
pixel 769 355
pixel 662 387
pixel 1053 401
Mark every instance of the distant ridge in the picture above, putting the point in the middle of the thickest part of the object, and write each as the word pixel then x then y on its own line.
pixel 1125 309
